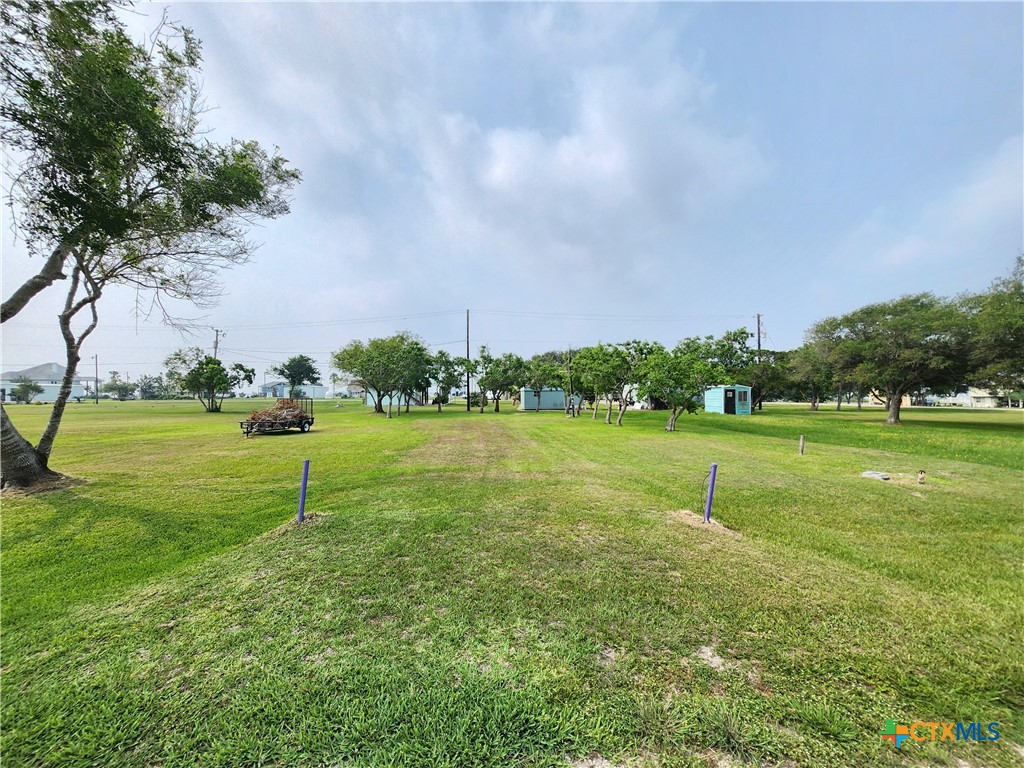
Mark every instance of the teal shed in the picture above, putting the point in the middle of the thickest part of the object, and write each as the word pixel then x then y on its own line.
pixel 551 399
pixel 728 398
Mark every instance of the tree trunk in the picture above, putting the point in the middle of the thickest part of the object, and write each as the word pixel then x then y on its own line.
pixel 608 416
pixel 20 463
pixel 391 399
pixel 497 403
pixel 71 346
pixel 622 410
pixel 408 399
pixel 893 406
pixel 597 404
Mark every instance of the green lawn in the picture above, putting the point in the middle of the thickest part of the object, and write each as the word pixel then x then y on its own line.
pixel 513 589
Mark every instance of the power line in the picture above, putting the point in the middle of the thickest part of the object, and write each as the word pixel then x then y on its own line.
pixel 608 317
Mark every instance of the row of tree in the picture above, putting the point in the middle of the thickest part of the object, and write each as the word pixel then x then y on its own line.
pixel 400 368
pixel 912 346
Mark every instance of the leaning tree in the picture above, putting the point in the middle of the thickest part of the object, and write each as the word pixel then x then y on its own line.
pixel 115 181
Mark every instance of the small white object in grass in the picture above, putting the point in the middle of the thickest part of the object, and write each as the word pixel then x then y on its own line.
pixel 708 655
pixel 875 475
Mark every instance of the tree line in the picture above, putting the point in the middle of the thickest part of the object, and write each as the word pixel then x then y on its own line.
pixel 916 345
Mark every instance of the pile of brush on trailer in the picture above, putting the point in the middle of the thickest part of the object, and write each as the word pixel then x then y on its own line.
pixel 286 413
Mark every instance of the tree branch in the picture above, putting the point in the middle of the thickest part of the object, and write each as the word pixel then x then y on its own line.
pixel 50 273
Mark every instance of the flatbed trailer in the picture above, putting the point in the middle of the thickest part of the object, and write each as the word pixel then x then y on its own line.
pixel 304 422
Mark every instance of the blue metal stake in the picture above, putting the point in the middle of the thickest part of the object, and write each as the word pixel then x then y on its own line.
pixel 302 494
pixel 711 493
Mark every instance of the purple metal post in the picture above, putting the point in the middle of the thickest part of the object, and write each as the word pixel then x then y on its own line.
pixel 302 493
pixel 711 493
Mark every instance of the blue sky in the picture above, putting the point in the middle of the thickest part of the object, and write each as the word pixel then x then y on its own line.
pixel 576 173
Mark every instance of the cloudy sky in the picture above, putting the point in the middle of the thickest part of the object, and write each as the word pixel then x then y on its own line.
pixel 575 173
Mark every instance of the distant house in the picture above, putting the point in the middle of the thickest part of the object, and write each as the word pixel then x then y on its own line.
pixel 49 377
pixel 281 388
pixel 972 398
pixel 349 390
pixel 728 398
pixel 549 399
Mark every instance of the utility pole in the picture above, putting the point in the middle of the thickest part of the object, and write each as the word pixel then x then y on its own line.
pixel 467 361
pixel 572 398
pixel 216 340
pixel 96 378
pixel 759 338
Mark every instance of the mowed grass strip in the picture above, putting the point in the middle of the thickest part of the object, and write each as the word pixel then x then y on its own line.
pixel 511 589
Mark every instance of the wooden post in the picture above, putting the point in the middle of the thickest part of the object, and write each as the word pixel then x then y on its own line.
pixel 801 445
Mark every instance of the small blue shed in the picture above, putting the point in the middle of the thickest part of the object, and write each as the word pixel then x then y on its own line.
pixel 551 399
pixel 728 398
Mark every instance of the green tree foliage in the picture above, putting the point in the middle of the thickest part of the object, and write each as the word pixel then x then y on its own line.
pixel 152 388
pixel 601 368
pixel 297 370
pixel 678 378
pixel 767 375
pixel 415 367
pixel 502 376
pixel 177 366
pixel 898 347
pixel 25 389
pixel 731 351
pixel 997 324
pixel 468 368
pixel 116 181
pixel 811 374
pixel 385 366
pixel 211 382
pixel 541 373
pixel 118 387
pixel 446 375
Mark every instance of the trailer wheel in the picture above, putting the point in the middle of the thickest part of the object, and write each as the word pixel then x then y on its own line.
pixel 306 425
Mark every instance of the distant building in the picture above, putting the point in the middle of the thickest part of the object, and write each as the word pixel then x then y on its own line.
pixel 972 398
pixel 49 377
pixel 281 388
pixel 549 399
pixel 728 398
pixel 369 398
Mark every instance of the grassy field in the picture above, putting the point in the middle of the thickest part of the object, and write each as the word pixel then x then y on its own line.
pixel 513 589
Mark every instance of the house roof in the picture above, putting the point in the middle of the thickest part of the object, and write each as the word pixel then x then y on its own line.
pixel 44 372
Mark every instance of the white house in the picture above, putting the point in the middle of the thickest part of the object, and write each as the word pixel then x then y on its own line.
pixel 280 389
pixel 972 398
pixel 49 377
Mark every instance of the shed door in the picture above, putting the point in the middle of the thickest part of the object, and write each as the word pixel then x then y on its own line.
pixel 730 401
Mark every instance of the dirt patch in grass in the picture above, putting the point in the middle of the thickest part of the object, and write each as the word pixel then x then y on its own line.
pixel 309 519
pixel 709 656
pixel 48 484
pixel 595 761
pixel 697 521
pixel 468 443
pixel 606 658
